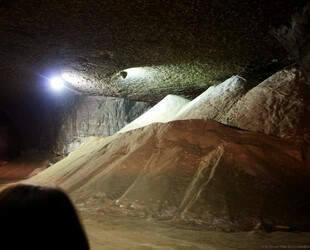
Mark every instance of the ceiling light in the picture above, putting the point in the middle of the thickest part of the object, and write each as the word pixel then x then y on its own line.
pixel 57 83
pixel 135 71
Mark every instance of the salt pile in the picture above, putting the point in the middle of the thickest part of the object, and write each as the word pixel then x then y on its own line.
pixel 190 170
pixel 216 100
pixel 212 104
pixel 280 106
pixel 164 111
pixel 202 170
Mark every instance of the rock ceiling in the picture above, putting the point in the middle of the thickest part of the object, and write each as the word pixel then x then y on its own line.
pixel 139 49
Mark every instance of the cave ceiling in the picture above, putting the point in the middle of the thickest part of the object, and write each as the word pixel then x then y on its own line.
pixel 138 49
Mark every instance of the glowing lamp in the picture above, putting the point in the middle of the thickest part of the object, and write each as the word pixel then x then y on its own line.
pixel 57 83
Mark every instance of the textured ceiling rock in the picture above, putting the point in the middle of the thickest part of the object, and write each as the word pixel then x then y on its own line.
pixel 94 116
pixel 186 45
pixel 61 124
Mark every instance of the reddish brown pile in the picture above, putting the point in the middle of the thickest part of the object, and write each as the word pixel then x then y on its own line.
pixel 193 170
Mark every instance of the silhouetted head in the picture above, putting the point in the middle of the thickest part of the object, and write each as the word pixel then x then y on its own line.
pixel 37 217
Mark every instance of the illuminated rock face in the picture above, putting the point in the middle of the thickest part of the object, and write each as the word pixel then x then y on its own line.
pixel 57 126
pixel 185 56
pixel 95 116
pixel 201 171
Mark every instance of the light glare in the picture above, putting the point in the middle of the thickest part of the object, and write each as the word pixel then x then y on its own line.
pixel 57 83
pixel 135 71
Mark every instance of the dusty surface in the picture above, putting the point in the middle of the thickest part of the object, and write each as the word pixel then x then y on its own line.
pixel 164 111
pixel 188 185
pixel 280 105
pixel 216 101
pixel 109 233
pixel 192 172
pixel 22 168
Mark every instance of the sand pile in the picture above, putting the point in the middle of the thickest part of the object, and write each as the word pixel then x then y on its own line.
pixel 192 171
pixel 164 111
pixel 23 167
pixel 216 101
pixel 201 171
pixel 280 105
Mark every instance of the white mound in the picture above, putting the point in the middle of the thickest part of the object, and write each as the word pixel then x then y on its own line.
pixel 280 106
pixel 164 111
pixel 216 100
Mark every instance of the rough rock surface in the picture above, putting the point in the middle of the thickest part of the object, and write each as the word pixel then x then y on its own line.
pixel 216 101
pixel 194 171
pixel 98 116
pixel 188 44
pixel 280 106
pixel 61 124
pixel 9 139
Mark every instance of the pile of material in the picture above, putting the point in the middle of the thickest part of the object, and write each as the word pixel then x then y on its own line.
pixel 191 170
pixel 200 171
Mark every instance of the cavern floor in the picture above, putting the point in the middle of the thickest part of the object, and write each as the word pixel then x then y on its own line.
pixel 192 184
pixel 127 233
pixel 120 232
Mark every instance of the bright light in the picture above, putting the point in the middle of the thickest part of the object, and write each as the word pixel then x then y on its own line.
pixel 135 71
pixel 133 74
pixel 57 83
pixel 75 78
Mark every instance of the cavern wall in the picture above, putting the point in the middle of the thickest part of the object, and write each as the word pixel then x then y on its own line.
pixel 58 125
pixel 9 139
pixel 98 116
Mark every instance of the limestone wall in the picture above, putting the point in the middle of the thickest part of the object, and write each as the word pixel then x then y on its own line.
pixel 59 125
